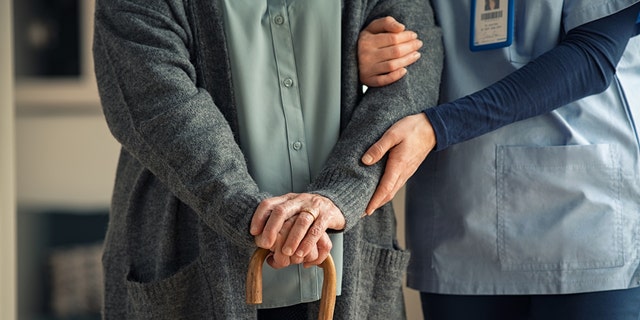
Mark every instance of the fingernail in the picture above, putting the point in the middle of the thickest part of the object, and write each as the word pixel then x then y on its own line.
pixel 367 159
pixel 287 251
pixel 299 253
pixel 416 55
pixel 414 35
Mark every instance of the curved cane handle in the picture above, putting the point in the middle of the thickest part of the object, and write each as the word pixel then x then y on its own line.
pixel 254 283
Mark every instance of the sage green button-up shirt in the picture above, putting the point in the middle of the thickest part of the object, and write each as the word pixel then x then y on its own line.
pixel 285 65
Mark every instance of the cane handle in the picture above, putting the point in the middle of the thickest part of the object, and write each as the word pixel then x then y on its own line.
pixel 254 283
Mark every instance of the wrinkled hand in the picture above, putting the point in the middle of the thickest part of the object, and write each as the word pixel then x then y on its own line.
pixel 384 50
pixel 277 259
pixel 294 226
pixel 408 142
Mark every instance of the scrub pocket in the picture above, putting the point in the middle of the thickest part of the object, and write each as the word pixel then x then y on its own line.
pixel 558 207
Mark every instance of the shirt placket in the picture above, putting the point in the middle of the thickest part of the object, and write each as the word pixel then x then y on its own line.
pixel 289 93
pixel 282 38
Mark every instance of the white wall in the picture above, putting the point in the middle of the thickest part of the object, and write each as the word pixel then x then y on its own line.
pixel 7 172
pixel 66 155
pixel 65 160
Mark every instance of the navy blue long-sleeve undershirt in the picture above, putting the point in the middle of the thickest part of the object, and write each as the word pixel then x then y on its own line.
pixel 582 64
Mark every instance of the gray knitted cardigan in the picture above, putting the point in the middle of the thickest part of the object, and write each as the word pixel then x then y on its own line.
pixel 178 244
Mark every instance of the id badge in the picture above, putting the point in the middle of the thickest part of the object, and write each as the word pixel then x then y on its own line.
pixel 491 24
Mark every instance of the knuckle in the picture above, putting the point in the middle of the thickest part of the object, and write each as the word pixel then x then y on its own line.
pixel 396 51
pixel 278 211
pixel 386 189
pixel 317 201
pixel 281 260
pixel 388 20
pixel 389 38
pixel 307 243
pixel 394 39
pixel 376 81
pixel 392 65
pixel 396 65
pixel 268 202
pixel 394 76
pixel 305 219
pixel 316 231
pixel 386 66
pixel 325 245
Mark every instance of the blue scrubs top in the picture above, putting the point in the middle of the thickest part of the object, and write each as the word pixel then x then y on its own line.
pixel 548 205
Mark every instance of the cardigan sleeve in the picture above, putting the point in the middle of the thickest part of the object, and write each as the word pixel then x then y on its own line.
pixel 155 109
pixel 345 179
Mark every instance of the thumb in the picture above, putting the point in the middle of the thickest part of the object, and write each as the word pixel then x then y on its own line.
pixel 378 149
pixel 386 24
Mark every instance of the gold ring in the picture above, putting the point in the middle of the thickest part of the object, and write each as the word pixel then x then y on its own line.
pixel 311 212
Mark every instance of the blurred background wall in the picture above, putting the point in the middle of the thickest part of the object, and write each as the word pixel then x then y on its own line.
pixel 7 168
pixel 65 161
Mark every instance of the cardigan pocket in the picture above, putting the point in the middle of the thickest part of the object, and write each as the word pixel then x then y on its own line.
pixel 183 295
pixel 559 207
pixel 380 282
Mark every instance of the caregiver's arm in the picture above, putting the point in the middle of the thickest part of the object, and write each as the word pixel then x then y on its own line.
pixel 582 64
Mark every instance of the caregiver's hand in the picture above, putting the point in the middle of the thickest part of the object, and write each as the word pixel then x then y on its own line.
pixel 385 48
pixel 408 143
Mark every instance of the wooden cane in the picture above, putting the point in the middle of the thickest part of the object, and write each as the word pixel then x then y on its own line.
pixel 254 283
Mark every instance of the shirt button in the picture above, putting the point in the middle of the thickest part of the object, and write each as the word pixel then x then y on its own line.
pixel 278 19
pixel 297 145
pixel 288 82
